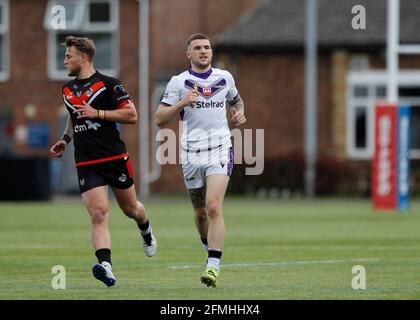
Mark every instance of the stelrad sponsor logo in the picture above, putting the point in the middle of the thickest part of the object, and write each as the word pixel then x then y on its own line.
pixel 208 104
pixel 384 181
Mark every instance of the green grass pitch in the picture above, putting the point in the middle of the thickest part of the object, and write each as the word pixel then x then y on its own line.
pixel 274 249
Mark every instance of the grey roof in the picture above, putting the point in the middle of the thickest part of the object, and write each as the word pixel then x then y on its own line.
pixel 280 24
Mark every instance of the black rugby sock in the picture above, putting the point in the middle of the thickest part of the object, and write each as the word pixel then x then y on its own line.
pixel 103 254
pixel 145 231
pixel 143 227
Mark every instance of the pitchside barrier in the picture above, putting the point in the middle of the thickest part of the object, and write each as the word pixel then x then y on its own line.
pixel 391 162
pixel 25 178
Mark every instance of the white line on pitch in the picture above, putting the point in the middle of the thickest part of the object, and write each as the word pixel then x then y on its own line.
pixel 275 264
pixel 343 247
pixel 30 246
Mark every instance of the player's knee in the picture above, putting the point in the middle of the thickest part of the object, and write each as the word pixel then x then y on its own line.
pixel 132 210
pixel 201 214
pixel 98 215
pixel 140 207
pixel 213 209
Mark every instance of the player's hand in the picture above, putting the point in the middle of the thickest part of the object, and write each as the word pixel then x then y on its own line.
pixel 85 111
pixel 238 118
pixel 190 99
pixel 57 150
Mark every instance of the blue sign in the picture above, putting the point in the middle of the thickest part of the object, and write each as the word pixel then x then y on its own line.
pixel 38 135
pixel 403 157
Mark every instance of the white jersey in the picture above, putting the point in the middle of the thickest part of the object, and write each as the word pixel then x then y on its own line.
pixel 204 122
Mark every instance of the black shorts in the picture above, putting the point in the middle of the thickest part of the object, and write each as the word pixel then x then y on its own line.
pixel 116 173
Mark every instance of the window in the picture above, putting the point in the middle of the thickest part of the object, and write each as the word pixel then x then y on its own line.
pixel 360 129
pixel 365 90
pixel 96 19
pixel 359 62
pixel 415 127
pixel 4 40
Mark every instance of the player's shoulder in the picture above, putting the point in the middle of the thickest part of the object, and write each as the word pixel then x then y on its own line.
pixel 221 72
pixel 224 74
pixel 97 77
pixel 182 75
pixel 69 84
pixel 179 78
pixel 106 79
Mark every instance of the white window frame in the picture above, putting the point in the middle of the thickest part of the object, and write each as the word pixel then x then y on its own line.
pixel 373 79
pixel 100 26
pixel 5 31
pixel 84 27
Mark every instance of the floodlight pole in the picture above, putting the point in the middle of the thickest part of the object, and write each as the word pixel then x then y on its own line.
pixel 144 97
pixel 311 21
pixel 393 33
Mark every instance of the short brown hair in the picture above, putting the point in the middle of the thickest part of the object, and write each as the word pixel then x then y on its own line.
pixel 195 36
pixel 82 44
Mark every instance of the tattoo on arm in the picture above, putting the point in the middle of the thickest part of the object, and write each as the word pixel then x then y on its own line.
pixel 238 104
pixel 198 197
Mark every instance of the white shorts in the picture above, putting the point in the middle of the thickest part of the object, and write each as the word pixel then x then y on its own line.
pixel 198 164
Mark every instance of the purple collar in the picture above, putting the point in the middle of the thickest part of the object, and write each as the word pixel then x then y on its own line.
pixel 202 75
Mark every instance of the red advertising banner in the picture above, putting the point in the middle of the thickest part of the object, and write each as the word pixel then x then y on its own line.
pixel 384 175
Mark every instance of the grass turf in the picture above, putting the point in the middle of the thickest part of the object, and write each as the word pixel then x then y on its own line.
pixel 275 250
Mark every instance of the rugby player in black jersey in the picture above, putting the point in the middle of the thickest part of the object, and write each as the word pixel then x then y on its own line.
pixel 95 103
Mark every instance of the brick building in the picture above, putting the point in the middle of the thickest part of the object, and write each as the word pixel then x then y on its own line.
pixel 260 42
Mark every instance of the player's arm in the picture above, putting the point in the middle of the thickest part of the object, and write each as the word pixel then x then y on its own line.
pixel 57 150
pixel 165 114
pixel 126 114
pixel 237 111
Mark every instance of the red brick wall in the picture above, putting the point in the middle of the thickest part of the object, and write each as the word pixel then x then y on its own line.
pixel 129 66
pixel 28 83
pixel 268 85
pixel 172 21
pixel 272 87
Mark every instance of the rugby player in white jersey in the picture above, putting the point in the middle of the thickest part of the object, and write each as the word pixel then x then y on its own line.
pixel 200 95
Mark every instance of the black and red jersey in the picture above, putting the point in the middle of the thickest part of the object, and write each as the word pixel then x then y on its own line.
pixel 95 140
